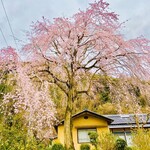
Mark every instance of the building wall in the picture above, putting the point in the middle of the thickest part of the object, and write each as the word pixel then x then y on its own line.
pixel 80 123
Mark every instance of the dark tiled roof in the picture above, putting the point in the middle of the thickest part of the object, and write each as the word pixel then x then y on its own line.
pixel 117 121
pixel 128 120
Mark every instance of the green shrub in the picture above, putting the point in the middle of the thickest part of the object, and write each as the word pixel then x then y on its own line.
pixel 121 144
pixel 128 148
pixel 93 138
pixel 85 147
pixel 107 141
pixel 103 141
pixel 58 146
pixel 140 138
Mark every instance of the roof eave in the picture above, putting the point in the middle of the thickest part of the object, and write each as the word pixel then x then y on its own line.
pixel 88 112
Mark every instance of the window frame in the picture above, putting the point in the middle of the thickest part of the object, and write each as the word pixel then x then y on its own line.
pixel 78 139
pixel 124 133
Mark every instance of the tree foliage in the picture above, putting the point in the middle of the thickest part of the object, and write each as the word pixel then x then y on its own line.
pixel 140 139
pixel 90 41
pixel 103 141
pixel 69 51
pixel 22 98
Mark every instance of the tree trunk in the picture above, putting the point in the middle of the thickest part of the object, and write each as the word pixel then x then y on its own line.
pixel 68 138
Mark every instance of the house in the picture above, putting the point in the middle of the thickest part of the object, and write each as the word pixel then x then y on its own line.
pixel 123 124
pixel 87 121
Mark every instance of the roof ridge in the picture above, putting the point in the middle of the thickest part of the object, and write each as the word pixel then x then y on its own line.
pixel 124 114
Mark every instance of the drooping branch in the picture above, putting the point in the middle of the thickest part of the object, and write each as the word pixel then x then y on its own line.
pixel 60 83
pixel 89 42
pixel 78 92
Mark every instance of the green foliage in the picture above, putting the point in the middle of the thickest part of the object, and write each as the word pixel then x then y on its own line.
pixel 7 83
pixel 58 98
pixel 120 144
pixel 104 95
pixel 14 139
pixel 93 138
pixel 107 108
pixel 137 91
pixel 58 146
pixel 128 148
pixel 103 141
pixel 142 100
pixel 104 92
pixel 14 131
pixel 84 147
pixel 107 141
pixel 140 138
pixel 11 136
pixel 15 135
pixel 4 88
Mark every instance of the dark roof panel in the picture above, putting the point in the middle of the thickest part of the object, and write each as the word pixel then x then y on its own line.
pixel 127 119
pixel 117 120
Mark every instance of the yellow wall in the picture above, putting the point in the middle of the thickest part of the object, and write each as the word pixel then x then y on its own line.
pixel 92 122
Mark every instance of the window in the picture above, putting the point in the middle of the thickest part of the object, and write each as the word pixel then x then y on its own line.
pixel 83 136
pixel 126 135
pixel 128 138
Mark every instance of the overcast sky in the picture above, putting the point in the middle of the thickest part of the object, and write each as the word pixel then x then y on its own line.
pixel 21 13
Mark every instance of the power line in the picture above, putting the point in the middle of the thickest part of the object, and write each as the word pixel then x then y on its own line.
pixel 9 24
pixel 4 37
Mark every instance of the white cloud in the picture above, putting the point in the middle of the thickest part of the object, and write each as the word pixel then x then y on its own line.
pixel 137 14
pixel 23 12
